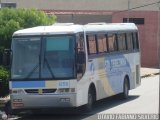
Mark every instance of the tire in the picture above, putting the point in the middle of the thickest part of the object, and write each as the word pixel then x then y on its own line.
pixel 89 105
pixel 125 93
pixel 9 110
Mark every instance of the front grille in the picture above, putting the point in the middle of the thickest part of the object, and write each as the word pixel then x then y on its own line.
pixel 49 90
pixel 31 91
pixel 39 91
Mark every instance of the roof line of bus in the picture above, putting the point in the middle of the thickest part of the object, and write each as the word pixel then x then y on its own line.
pixel 68 28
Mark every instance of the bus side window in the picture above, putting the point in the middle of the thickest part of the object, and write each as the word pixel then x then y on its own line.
pixel 121 41
pixel 135 40
pixel 112 43
pixel 91 44
pixel 102 43
pixel 129 41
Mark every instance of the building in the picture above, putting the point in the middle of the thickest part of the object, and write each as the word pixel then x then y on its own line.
pixel 144 13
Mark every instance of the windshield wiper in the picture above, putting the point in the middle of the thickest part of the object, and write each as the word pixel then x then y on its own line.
pixel 32 71
pixel 49 67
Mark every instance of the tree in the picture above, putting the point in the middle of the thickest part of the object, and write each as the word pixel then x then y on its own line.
pixel 12 20
pixel 15 19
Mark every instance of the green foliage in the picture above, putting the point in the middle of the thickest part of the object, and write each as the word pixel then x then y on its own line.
pixel 4 83
pixel 12 20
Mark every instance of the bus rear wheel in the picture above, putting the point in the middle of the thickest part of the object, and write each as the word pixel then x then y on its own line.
pixel 125 93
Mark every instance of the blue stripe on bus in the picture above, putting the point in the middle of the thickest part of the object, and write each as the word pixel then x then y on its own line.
pixel 28 84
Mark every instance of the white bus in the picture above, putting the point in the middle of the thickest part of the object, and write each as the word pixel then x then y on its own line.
pixel 69 65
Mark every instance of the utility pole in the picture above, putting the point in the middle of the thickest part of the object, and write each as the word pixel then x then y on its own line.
pixel 128 10
pixel 158 34
pixel 159 42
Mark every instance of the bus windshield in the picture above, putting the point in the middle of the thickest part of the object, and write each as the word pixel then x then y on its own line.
pixel 47 57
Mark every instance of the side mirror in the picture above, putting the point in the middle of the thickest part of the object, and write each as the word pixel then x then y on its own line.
pixel 6 57
pixel 81 57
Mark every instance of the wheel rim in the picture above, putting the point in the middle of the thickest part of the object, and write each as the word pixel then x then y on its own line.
pixel 90 100
pixel 126 89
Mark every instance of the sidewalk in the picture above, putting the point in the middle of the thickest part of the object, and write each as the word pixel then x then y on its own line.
pixel 145 72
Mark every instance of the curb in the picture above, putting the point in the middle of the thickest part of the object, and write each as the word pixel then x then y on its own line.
pixel 2 105
pixel 3 101
pixel 150 75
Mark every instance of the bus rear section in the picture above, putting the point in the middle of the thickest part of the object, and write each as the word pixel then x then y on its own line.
pixel 113 58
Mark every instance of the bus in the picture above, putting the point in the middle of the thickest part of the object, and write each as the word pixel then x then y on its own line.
pixel 69 65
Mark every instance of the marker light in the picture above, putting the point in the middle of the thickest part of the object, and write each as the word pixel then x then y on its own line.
pixel 66 90
pixel 17 91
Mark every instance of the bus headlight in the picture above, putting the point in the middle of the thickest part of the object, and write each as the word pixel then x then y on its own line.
pixel 17 91
pixel 66 90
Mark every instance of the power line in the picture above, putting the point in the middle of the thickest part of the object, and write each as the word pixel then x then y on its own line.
pixel 137 7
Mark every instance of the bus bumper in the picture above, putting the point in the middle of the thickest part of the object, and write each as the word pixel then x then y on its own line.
pixel 43 101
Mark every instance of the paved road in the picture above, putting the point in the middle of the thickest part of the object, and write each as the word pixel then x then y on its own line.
pixel 144 99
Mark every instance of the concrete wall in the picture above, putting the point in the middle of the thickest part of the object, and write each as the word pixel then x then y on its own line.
pixel 84 4
pixel 84 19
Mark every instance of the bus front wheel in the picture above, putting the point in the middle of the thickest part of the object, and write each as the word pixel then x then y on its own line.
pixel 89 105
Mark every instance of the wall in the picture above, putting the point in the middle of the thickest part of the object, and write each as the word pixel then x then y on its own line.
pixel 147 35
pixel 84 4
pixel 84 19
